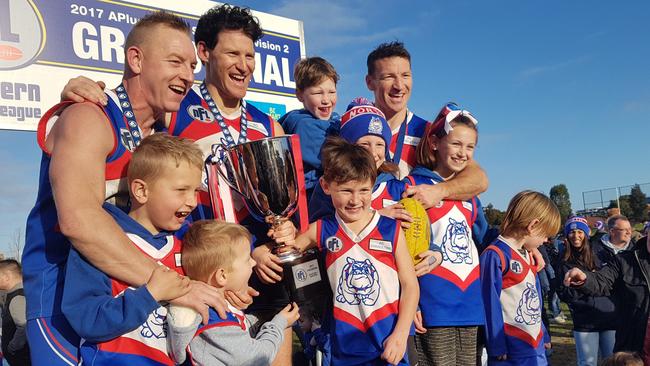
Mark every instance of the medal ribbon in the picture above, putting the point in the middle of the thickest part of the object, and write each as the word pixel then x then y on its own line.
pixel 243 124
pixel 127 112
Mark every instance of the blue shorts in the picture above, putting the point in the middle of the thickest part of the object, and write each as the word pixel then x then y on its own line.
pixel 52 342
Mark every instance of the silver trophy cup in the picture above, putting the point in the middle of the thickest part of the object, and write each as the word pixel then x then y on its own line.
pixel 264 173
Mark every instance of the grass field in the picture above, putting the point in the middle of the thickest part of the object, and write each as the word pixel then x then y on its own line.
pixel 564 350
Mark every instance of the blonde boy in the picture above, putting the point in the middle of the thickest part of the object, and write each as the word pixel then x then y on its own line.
pixel 218 253
pixel 375 291
pixel 509 284
pixel 122 325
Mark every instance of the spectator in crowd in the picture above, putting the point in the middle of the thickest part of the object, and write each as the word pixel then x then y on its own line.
pixel 594 317
pixel 598 231
pixel 617 239
pixel 623 359
pixel 14 340
pixel 627 273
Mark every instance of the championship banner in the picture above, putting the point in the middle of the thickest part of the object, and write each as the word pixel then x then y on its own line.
pixel 44 43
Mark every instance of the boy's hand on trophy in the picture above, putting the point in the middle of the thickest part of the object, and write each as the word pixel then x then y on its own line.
pixel 268 267
pixel 284 233
pixel 241 299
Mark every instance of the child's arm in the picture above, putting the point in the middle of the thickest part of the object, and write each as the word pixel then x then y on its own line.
pixel 232 345
pixel 491 283
pixel 395 344
pixel 308 239
pixel 92 311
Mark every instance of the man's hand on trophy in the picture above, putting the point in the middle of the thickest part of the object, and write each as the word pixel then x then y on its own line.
pixel 268 266
pixel 81 89
pixel 241 299
pixel 284 233
pixel 200 298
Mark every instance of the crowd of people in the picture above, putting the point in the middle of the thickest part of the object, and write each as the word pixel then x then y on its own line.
pixel 129 259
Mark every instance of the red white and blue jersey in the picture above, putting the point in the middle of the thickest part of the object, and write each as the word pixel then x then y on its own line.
pixel 513 302
pixel 362 271
pixel 415 127
pixel 46 248
pixel 195 121
pixel 450 295
pixel 386 191
pixel 100 302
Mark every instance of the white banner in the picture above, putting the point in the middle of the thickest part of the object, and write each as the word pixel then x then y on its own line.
pixel 44 43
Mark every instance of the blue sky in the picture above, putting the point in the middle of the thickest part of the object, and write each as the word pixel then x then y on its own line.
pixel 561 89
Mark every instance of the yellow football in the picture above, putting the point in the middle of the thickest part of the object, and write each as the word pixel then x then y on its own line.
pixel 419 233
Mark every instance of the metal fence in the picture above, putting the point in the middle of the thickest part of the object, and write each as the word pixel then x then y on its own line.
pixel 600 198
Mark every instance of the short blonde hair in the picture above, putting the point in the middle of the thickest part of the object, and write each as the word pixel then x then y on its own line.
pixel 209 245
pixel 148 160
pixel 527 206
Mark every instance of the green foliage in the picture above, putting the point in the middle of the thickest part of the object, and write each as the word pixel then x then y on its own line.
pixel 625 204
pixel 493 216
pixel 559 194
pixel 638 205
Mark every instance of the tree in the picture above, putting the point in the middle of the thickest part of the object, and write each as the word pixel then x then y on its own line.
pixel 625 204
pixel 560 196
pixel 638 204
pixel 493 216
pixel 16 245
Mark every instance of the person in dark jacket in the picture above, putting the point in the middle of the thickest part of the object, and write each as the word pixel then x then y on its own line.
pixel 629 275
pixel 14 339
pixel 594 317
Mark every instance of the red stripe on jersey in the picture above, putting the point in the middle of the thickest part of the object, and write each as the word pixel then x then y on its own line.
pixel 128 346
pixel 518 333
pixel 377 315
pixel 453 278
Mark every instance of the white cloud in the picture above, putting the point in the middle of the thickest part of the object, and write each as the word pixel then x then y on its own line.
pixel 535 71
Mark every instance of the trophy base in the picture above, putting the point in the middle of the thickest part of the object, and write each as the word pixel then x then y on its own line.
pixel 305 279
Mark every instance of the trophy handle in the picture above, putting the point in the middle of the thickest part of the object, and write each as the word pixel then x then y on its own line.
pixel 221 157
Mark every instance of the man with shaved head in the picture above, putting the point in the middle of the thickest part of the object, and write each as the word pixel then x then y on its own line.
pixel 86 148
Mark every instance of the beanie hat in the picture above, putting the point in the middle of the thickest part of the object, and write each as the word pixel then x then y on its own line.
pixel 363 119
pixel 576 223
pixel 599 225
pixel 447 114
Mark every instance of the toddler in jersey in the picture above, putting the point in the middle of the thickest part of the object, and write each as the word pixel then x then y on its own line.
pixel 509 284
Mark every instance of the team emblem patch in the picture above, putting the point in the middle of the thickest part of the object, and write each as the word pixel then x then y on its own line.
pixel 375 126
pixel 333 244
pixel 573 226
pixel 127 140
pixel 516 267
pixel 358 283
pixel 199 113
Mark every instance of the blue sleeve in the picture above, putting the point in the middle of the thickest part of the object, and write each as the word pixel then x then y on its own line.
pixel 547 335
pixel 320 205
pixel 480 226
pixel 491 283
pixel 91 309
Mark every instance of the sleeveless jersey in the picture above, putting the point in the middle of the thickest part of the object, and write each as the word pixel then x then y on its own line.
pixel 46 249
pixel 415 127
pixel 195 121
pixel 450 295
pixel 363 277
pixel 517 314
pixel 147 344
pixel 387 191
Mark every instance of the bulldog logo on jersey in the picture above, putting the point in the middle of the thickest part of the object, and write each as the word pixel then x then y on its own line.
pixel 154 327
pixel 456 243
pixel 528 311
pixel 333 244
pixel 358 283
